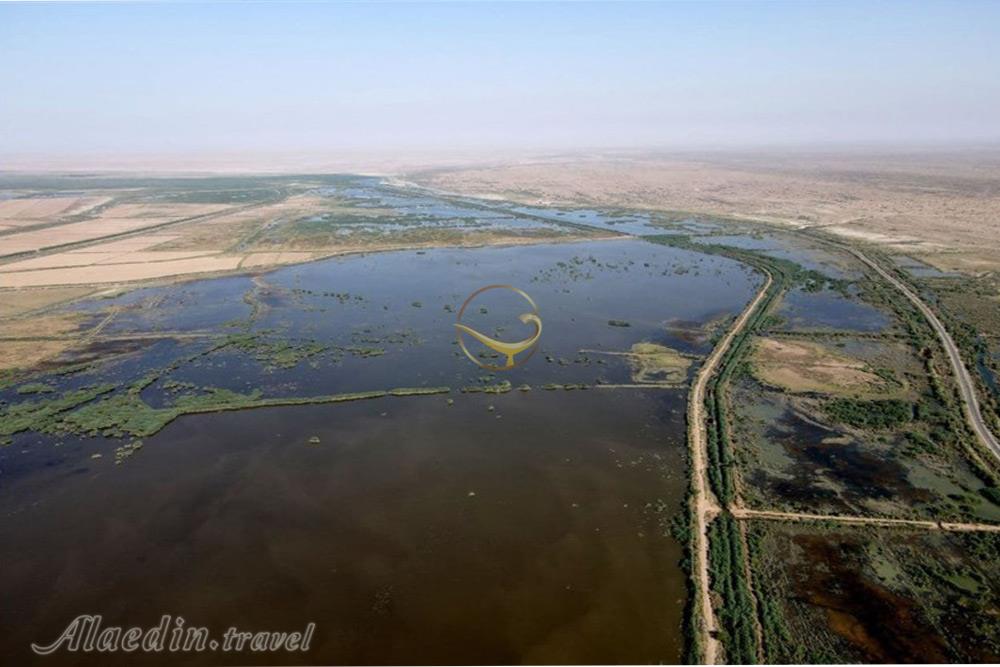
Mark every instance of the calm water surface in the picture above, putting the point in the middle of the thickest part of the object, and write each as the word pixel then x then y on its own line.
pixel 415 531
pixel 521 527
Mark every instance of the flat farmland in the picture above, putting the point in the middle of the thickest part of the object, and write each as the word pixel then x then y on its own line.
pixel 29 211
pixel 139 230
pixel 111 222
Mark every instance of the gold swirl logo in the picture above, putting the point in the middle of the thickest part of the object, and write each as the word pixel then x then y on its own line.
pixel 509 350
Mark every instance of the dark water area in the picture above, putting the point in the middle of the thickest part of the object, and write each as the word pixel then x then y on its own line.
pixel 387 320
pixel 987 373
pixel 459 528
pixel 200 305
pixel 494 528
pixel 638 224
pixel 919 269
pixel 803 461
pixel 414 531
pixel 876 624
pixel 410 207
pixel 831 310
pixel 784 246
pixel 833 474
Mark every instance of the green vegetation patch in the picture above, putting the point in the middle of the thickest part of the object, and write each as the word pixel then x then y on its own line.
pixel 127 413
pixel 792 273
pixel 275 353
pixel 418 391
pixel 43 414
pixel 657 364
pixel 97 411
pixel 726 556
pixel 882 414
pixel 498 388
pixel 35 388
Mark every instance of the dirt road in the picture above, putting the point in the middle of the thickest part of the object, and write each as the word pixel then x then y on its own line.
pixel 966 386
pixel 774 515
pixel 706 507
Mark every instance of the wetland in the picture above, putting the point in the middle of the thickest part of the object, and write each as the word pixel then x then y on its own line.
pixel 297 436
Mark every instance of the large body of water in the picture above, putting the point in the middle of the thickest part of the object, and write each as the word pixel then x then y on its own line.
pixel 519 527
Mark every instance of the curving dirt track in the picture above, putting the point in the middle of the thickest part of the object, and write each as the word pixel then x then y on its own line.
pixel 966 387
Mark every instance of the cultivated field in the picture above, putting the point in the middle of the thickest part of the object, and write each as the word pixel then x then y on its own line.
pixel 58 246
pixel 135 230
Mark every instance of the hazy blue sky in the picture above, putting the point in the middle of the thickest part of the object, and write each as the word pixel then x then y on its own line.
pixel 202 77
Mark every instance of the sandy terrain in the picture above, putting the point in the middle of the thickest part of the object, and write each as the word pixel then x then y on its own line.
pixel 52 325
pixel 805 366
pixel 32 210
pixel 120 273
pixel 115 220
pixel 72 233
pixel 245 238
pixel 104 268
pixel 17 302
pixel 158 254
pixel 225 231
pixel 71 259
pixel 943 207
pixel 20 347
pixel 26 354
pixel 132 244
pixel 259 259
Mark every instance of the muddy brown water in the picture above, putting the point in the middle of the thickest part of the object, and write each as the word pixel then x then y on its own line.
pixel 415 531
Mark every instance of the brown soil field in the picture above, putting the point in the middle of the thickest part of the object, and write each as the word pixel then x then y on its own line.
pixel 806 367
pixel 226 231
pixel 17 302
pixel 72 259
pixel 190 248
pixel 52 325
pixel 223 238
pixel 945 207
pixel 16 353
pixel 169 210
pixel 58 260
pixel 78 268
pixel 115 220
pixel 32 210
pixel 133 244
pixel 26 354
pixel 111 252
pixel 263 259
pixel 120 273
